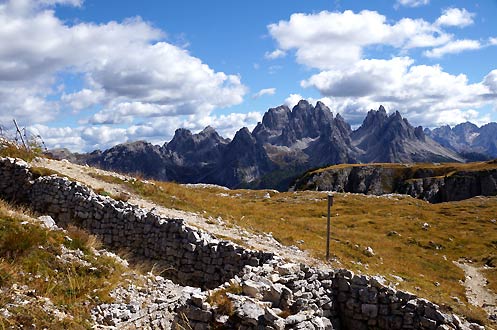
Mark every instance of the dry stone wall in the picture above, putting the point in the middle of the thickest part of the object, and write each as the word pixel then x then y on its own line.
pixel 281 295
pixel 189 256
pixel 276 295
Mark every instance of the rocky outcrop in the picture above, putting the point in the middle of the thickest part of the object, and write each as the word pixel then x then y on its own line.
pixel 442 184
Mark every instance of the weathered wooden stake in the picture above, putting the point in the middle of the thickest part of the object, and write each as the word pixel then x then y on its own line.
pixel 20 135
pixel 328 226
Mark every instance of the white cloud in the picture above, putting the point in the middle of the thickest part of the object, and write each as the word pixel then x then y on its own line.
pixel 158 131
pixel 75 3
pixel 490 81
pixel 128 70
pixel 453 47
pixel 83 99
pixel 455 17
pixel 421 92
pixel 413 3
pixel 293 99
pixel 492 41
pixel 332 39
pixel 278 53
pixel 335 42
pixel 366 77
pixel 265 91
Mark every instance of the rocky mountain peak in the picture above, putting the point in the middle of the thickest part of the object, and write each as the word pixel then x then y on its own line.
pixel 464 129
pixel 375 118
pixel 184 141
pixel 302 105
pixel 243 136
pixel 290 141
pixel 273 122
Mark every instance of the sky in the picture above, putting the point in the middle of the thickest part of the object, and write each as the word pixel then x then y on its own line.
pixel 89 74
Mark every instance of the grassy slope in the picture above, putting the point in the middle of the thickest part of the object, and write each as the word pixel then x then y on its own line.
pixel 440 169
pixel 31 270
pixel 421 257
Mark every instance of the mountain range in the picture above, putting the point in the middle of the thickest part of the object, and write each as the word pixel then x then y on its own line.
pixel 289 142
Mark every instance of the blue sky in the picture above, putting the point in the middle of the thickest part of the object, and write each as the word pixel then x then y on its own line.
pixel 88 74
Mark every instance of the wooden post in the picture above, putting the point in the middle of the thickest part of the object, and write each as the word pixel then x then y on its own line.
pixel 328 226
pixel 20 135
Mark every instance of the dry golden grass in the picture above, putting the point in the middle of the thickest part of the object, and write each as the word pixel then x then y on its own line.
pixel 222 302
pixel 12 149
pixel 422 258
pixel 440 169
pixel 29 257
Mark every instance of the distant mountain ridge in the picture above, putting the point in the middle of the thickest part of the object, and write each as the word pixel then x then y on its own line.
pixel 471 141
pixel 288 142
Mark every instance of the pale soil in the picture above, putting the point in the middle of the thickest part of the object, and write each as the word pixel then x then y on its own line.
pixel 215 227
pixel 476 288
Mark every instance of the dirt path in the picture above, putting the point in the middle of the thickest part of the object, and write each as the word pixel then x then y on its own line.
pixel 217 227
pixel 476 289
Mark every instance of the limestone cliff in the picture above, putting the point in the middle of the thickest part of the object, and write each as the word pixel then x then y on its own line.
pixel 434 183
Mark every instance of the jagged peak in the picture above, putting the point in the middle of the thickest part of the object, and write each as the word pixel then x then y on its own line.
pixel 321 106
pixel 181 133
pixel 303 102
pixel 396 115
pixel 302 106
pixel 243 134
pixel 208 129
pixel 279 108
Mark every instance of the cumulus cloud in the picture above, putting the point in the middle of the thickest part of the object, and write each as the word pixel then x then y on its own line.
pixel 453 47
pixel 129 71
pixel 413 3
pixel 366 77
pixel 490 81
pixel 455 17
pixel 423 93
pixel 335 43
pixel 293 99
pixel 83 99
pixel 158 131
pixel 265 91
pixel 333 39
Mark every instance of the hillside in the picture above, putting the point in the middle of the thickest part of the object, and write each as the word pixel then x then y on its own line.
pixel 433 182
pixel 415 244
pixel 52 278
pixel 427 249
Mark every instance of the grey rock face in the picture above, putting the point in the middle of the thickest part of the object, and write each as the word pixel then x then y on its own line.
pixel 473 142
pixel 391 139
pixel 424 184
